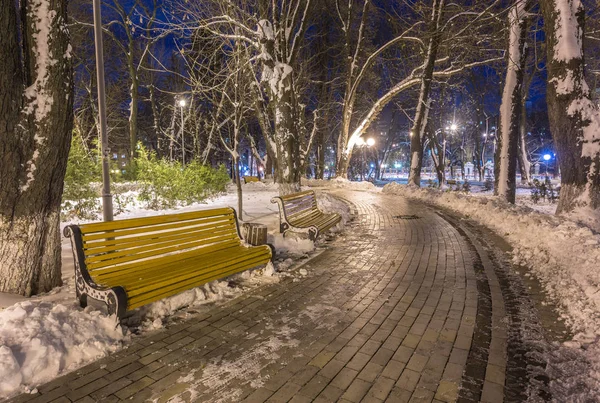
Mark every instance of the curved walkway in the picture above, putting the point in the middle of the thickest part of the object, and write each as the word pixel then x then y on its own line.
pixel 405 306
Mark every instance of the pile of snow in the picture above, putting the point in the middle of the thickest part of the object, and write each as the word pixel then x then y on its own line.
pixel 564 255
pixel 340 183
pixel 41 340
pixel 260 186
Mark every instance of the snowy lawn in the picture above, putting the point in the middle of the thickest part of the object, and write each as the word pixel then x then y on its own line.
pixel 49 335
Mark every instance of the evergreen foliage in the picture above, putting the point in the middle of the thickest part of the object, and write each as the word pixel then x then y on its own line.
pixel 164 184
pixel 80 197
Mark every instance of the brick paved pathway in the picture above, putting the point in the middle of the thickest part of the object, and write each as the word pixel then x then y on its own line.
pixel 405 306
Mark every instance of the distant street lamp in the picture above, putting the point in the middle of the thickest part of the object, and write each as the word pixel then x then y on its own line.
pixel 182 105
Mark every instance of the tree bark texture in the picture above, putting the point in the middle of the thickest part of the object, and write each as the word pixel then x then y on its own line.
pixel 524 164
pixel 36 118
pixel 510 111
pixel 574 119
pixel 277 78
pixel 420 122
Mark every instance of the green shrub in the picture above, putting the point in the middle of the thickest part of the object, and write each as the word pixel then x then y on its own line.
pixel 165 184
pixel 80 196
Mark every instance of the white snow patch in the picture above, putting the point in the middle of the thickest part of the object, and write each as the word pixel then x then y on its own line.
pixel 568 36
pixel 40 340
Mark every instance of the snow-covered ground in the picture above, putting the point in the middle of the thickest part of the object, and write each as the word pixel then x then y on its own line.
pixel 49 335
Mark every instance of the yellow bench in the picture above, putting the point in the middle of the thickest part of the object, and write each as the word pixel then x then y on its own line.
pixel 299 212
pixel 133 262
pixel 248 179
pixel 451 182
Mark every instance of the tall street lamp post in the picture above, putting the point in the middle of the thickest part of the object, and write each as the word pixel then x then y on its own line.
pixel 107 207
pixel 182 105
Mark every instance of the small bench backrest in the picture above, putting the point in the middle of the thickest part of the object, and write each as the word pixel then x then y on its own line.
pixel 299 205
pixel 123 244
pixel 248 179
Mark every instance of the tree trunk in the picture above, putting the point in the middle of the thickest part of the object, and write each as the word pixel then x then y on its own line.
pixel 277 77
pixel 238 186
pixel 524 164
pixel 35 136
pixel 510 111
pixel 420 122
pixel 133 106
pixel 574 119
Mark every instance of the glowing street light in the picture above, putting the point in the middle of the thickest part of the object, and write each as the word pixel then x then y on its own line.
pixel 370 141
pixel 453 127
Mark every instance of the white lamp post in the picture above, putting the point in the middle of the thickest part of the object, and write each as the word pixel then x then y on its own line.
pixel 182 105
pixel 107 207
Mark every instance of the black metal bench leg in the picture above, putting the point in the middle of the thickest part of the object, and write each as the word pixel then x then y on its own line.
pixel 82 299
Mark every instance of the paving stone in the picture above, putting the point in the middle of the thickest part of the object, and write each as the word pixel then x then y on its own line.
pixel 322 359
pixel 314 386
pixel 332 368
pixel 492 392
pixel 344 378
pixel 285 393
pixel 259 396
pixel 417 362
pixel 408 380
pixel 359 361
pixel 403 354
pixel 357 390
pixel 370 372
pixel 381 388
pixel 111 388
pixel 134 387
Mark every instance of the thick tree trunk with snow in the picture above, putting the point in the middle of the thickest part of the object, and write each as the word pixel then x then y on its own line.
pixel 420 121
pixel 36 118
pixel 277 79
pixel 574 119
pixel 510 111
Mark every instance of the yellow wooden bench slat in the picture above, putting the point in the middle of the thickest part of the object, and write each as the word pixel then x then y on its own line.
pixel 132 273
pixel 299 212
pixel 154 220
pixel 121 239
pixel 150 264
pixel 221 265
pixel 248 179
pixel 132 262
pixel 161 227
pixel 139 253
pixel 159 293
